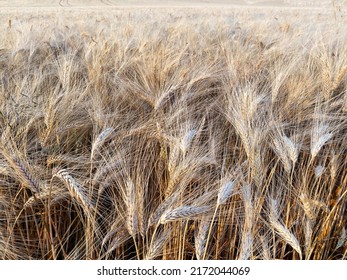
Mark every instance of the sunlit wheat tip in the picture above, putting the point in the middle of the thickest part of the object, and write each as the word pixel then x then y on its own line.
pixel 225 192
pixel 183 212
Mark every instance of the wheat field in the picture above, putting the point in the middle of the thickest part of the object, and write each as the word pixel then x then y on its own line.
pixel 198 133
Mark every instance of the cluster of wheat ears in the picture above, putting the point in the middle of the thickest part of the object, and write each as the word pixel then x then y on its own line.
pixel 173 138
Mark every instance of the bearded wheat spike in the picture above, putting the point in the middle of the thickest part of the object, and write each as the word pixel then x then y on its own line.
pixel 334 166
pixel 22 171
pixel 246 246
pixel 340 77
pixel 115 239
pixel 265 248
pixel 318 171
pixel 247 198
pixel 247 237
pixel 115 228
pixel 141 211
pixel 282 230
pixel 100 140
pixel 281 152
pixel 106 170
pixel 32 183
pixel 130 201
pixel 291 148
pixel 201 237
pixel 55 196
pixel 155 249
pixel 155 217
pixel 183 212
pixel 186 141
pixel 287 236
pixel 308 237
pixel 225 192
pixel 307 206
pixel 320 137
pixel 342 239
pixel 75 189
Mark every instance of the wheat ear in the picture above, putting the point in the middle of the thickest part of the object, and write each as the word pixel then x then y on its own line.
pixel 247 238
pixel 53 196
pixel 201 237
pixel 130 201
pixel 75 189
pixel 100 140
pixel 265 248
pixel 282 230
pixel 156 215
pixel 156 247
pixel 225 191
pixel 292 149
pixel 183 212
pixel 320 137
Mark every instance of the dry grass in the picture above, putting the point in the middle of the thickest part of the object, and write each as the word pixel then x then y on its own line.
pixel 188 135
